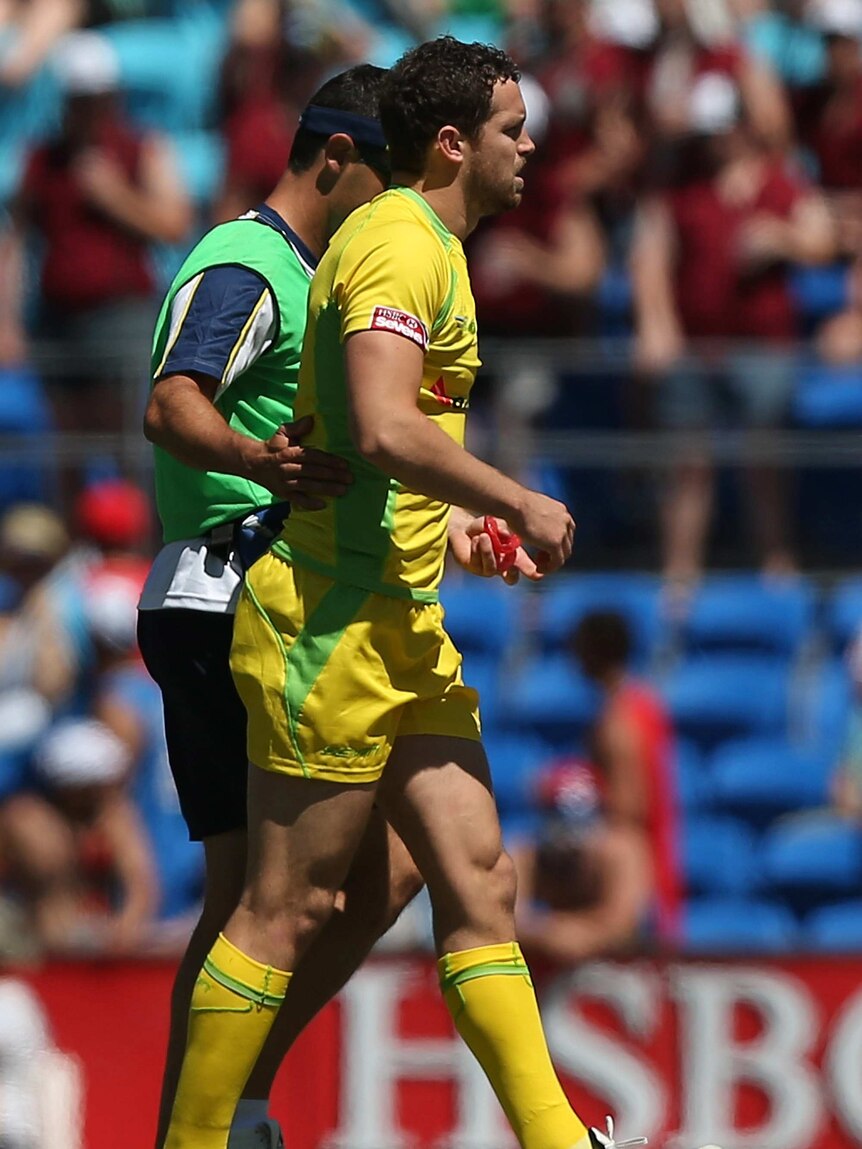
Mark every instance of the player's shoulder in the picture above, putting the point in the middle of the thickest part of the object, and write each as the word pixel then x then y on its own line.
pixel 399 222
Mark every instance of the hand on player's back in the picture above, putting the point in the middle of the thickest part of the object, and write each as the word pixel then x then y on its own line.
pixel 547 525
pixel 306 476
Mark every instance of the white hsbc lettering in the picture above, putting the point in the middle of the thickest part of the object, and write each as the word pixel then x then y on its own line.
pixel 401 323
pixel 714 1062
pixel 375 1059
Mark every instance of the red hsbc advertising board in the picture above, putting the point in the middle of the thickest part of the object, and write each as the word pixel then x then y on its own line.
pixel 748 1055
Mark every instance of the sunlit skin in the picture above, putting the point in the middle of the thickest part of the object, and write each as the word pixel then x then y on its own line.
pixel 498 155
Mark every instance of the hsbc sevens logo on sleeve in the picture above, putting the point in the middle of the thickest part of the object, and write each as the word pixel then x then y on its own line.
pixel 400 323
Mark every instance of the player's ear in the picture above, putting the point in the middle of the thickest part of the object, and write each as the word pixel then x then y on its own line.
pixel 451 143
pixel 338 151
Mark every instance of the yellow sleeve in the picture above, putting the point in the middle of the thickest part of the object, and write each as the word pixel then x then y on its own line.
pixel 393 278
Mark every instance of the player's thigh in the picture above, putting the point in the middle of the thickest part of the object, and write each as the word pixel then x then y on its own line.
pixel 436 791
pixel 302 834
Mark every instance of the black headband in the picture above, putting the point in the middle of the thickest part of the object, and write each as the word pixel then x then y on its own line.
pixel 332 121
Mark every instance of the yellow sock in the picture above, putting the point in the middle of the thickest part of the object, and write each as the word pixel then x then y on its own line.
pixel 490 996
pixel 233 1006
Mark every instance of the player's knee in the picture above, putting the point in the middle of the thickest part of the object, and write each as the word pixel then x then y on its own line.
pixel 291 919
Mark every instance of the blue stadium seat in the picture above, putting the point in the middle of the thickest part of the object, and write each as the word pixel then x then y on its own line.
pixel 738 925
pixel 812 858
pixel 11 164
pixel 694 788
pixel 24 410
pixel 637 597
pixel 718 856
pixel 828 396
pixel 747 612
pixel 820 291
pixel 835 929
pixel 200 158
pixel 482 672
pixel 548 697
pixel 824 707
pixel 761 778
pixel 514 762
pixel 728 696
pixel 169 69
pixel 844 613
pixel 615 297
pixel 481 614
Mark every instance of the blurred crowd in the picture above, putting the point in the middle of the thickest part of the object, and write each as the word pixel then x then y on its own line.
pixel 692 156
pixel 94 855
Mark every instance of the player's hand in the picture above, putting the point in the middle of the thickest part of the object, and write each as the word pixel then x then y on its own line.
pixel 306 476
pixel 471 548
pixel 547 525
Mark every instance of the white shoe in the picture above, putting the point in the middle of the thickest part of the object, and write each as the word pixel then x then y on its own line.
pixel 265 1135
pixel 600 1140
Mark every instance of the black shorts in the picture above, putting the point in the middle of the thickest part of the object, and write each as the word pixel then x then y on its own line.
pixel 187 652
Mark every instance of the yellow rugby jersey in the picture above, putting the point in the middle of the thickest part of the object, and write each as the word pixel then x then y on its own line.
pixel 391 266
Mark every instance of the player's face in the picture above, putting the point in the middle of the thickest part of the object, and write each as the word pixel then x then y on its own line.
pixel 499 153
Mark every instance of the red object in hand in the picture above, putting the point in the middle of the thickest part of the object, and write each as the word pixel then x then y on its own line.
pixel 505 550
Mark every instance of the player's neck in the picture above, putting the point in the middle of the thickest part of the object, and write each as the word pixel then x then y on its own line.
pixel 303 209
pixel 447 200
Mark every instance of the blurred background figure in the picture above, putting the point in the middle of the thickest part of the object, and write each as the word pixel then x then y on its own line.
pixel 710 262
pixel 48 646
pixel 29 29
pixel 74 847
pixel 95 195
pixel 128 702
pixel 266 76
pixel 829 118
pixel 585 882
pixel 632 744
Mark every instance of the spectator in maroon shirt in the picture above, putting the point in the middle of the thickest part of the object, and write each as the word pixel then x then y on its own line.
pixel 95 196
pixel 830 125
pixel 710 264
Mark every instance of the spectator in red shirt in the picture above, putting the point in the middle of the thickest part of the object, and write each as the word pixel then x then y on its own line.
pixel 710 264
pixel 633 749
pixel 95 195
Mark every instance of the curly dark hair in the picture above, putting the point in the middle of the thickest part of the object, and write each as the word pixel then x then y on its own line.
pixel 443 81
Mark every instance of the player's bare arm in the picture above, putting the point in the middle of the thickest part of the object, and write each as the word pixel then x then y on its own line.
pixel 181 419
pixel 384 374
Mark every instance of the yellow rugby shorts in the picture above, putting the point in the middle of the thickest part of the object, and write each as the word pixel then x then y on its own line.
pixel 331 674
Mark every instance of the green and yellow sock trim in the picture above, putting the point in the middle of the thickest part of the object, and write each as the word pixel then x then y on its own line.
pixel 261 985
pixel 503 959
